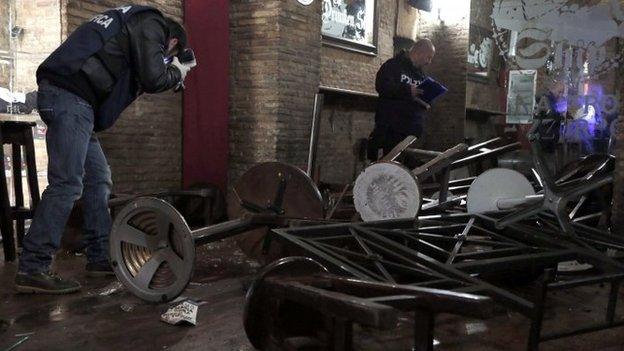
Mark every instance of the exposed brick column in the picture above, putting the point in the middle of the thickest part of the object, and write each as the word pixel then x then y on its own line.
pixel 299 78
pixel 275 60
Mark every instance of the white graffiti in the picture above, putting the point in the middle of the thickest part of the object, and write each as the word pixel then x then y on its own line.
pixel 575 35
pixel 479 55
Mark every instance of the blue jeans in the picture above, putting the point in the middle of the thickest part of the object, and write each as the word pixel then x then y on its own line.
pixel 77 168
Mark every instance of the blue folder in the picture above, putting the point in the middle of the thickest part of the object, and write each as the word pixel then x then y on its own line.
pixel 431 90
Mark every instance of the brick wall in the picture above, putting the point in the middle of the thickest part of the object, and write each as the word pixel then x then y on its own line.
pixel 407 21
pixel 274 48
pixel 298 78
pixel 444 126
pixel 5 65
pixel 275 74
pixel 144 148
pixel 355 71
pixel 345 120
pixel 254 99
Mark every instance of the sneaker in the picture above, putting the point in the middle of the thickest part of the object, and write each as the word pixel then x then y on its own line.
pixel 44 283
pixel 99 270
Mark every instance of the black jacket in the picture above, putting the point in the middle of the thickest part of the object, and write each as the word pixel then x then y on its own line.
pixel 123 66
pixel 549 129
pixel 396 109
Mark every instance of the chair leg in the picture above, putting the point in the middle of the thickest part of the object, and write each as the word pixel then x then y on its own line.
pixel 6 225
pixel 8 241
pixel 31 166
pixel 17 175
pixel 20 231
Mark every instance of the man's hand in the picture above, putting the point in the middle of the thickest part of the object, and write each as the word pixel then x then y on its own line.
pixel 184 69
pixel 416 92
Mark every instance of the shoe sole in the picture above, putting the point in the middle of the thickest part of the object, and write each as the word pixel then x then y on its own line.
pixel 34 290
pixel 96 274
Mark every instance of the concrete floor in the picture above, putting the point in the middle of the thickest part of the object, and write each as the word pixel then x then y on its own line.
pixel 103 316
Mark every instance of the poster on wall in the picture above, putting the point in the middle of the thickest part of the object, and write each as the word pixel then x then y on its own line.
pixel 521 96
pixel 350 22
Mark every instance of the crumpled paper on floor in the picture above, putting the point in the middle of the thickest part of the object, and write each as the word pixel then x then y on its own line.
pixel 185 312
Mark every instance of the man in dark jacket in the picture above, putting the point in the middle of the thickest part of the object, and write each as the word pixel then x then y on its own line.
pixel 551 108
pixel 84 85
pixel 399 110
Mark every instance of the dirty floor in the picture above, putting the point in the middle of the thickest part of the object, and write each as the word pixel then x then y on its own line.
pixel 103 316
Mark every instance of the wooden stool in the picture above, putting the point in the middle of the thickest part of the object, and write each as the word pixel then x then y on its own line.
pixel 17 134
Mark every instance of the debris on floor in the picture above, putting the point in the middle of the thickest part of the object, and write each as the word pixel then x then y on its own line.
pixel 111 289
pixel 181 313
pixel 17 344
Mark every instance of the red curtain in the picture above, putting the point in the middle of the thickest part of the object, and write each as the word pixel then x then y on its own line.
pixel 205 141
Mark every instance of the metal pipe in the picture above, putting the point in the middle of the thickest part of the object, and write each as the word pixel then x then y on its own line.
pixel 347 91
pixel 509 203
pixel 316 126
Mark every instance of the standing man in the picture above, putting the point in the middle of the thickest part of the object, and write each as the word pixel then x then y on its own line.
pixel 552 108
pixel 400 112
pixel 84 85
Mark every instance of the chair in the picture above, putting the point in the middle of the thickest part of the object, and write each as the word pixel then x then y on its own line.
pixel 18 134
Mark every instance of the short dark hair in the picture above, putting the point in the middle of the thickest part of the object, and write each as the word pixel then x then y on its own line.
pixel 177 31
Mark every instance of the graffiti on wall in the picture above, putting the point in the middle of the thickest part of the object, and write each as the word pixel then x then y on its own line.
pixel 568 35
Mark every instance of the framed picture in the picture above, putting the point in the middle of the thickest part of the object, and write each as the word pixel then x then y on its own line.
pixel 521 96
pixel 481 52
pixel 350 24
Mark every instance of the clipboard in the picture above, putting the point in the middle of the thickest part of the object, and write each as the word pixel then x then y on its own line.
pixel 431 90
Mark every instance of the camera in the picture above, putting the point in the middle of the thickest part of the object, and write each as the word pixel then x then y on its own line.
pixel 187 57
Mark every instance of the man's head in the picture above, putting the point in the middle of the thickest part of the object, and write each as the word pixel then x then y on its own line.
pixel 558 88
pixel 422 53
pixel 177 40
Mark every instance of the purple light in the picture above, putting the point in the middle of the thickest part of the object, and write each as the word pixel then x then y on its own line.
pixel 561 106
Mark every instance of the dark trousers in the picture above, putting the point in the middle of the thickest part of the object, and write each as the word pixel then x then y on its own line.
pixel 382 140
pixel 76 168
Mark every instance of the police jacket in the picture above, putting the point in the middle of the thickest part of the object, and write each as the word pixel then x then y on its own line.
pixel 112 59
pixel 396 109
